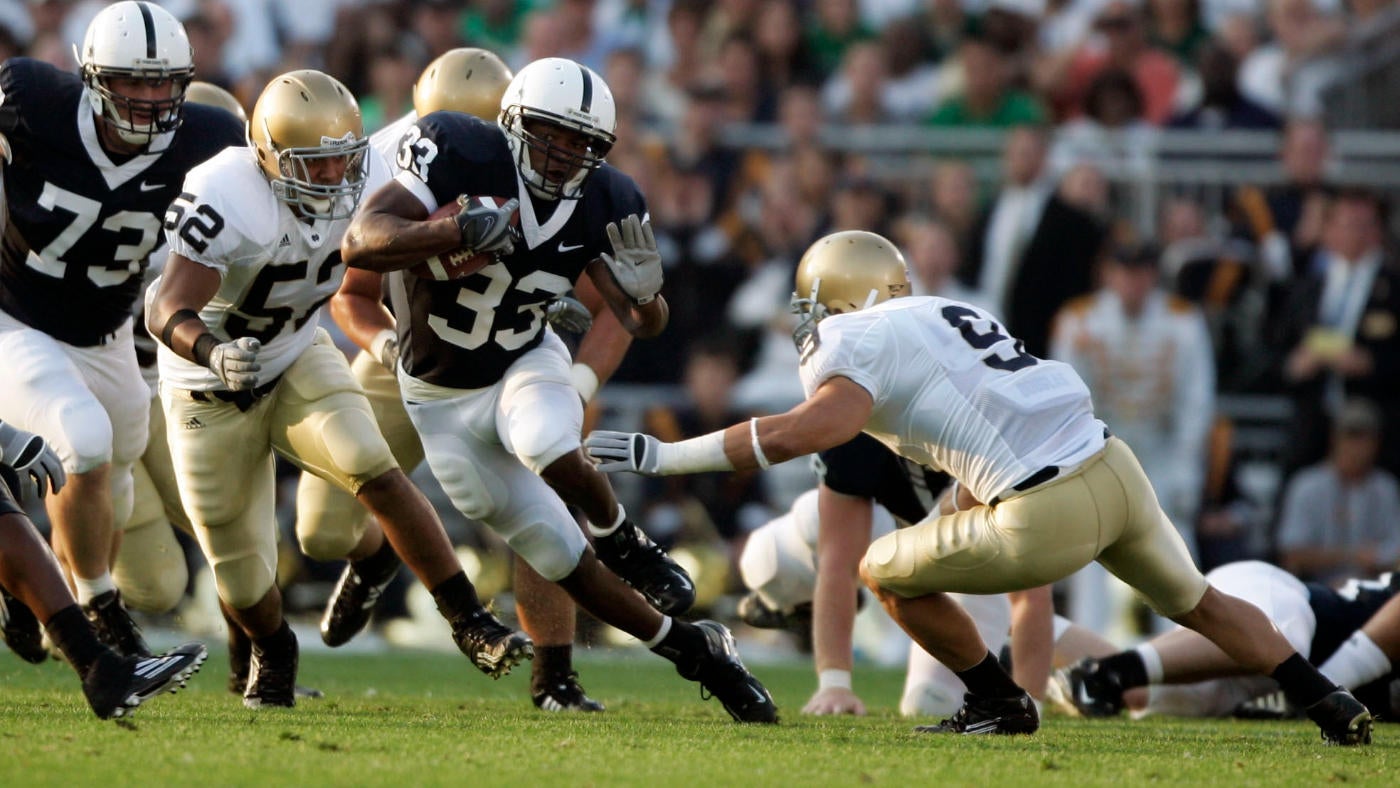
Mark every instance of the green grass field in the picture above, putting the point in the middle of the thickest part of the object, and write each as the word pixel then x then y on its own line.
pixel 428 719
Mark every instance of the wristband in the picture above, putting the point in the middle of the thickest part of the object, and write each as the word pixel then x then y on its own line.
pixel 203 347
pixel 585 380
pixel 697 455
pixel 834 678
pixel 384 337
pixel 758 457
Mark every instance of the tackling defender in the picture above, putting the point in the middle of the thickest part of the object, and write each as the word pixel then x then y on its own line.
pixel 479 369
pixel 1042 488
pixel 93 162
pixel 246 371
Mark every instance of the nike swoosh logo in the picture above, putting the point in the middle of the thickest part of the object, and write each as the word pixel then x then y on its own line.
pixel 1083 695
pixel 569 247
pixel 150 187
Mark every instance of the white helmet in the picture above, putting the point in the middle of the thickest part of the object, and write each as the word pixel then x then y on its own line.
pixel 136 40
pixel 558 91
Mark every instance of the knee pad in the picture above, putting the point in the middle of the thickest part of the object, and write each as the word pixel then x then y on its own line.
pixel 538 441
pixel 243 580
pixel 157 582
pixel 783 575
pixel 364 456
pixel 84 441
pixel 330 521
pixel 549 541
pixel 469 490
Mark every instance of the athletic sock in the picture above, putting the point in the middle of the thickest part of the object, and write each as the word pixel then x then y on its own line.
pixel 1151 663
pixel 1359 661
pixel 597 532
pixel 456 597
pixel 379 563
pixel 550 663
pixel 1128 666
pixel 1301 683
pixel 280 641
pixel 681 643
pixel 70 630
pixel 988 679
pixel 86 589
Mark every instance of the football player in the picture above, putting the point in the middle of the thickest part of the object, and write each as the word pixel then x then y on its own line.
pixel 246 371
pixel 1041 489
pixel 94 161
pixel 479 369
pixel 1181 673
pixel 471 81
pixel 114 684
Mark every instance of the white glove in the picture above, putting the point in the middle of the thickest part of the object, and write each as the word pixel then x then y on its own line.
pixel 623 451
pixel 568 314
pixel 236 363
pixel 33 461
pixel 635 263
pixel 385 348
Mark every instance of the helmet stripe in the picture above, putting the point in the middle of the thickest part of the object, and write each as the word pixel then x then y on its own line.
pixel 586 104
pixel 150 23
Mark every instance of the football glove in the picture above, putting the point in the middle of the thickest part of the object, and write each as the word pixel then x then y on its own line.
pixel 487 230
pixel 236 363
pixel 623 451
pixel 568 314
pixel 635 263
pixel 385 348
pixel 33 462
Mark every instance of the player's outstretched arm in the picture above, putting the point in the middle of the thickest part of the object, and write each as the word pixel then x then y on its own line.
pixel 830 417
pixel 843 534
pixel 391 231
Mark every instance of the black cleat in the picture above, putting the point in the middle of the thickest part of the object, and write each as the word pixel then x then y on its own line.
pixel 493 647
pixel 1342 718
pixel 272 678
pixel 240 663
pixel 1094 690
pixel 113 625
pixel 352 603
pixel 722 674
pixel 564 693
pixel 642 564
pixel 989 715
pixel 115 684
pixel 21 629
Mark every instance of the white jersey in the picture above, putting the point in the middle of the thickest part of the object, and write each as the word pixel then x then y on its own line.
pixel 387 139
pixel 1153 380
pixel 277 270
pixel 952 391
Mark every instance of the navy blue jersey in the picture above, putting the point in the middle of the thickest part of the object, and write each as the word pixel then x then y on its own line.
pixel 466 332
pixel 81 227
pixel 863 467
pixel 1343 611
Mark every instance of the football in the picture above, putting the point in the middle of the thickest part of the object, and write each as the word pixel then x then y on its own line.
pixel 458 263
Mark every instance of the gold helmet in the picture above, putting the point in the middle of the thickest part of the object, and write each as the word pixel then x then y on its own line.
pixel 846 272
pixel 468 80
pixel 212 95
pixel 303 119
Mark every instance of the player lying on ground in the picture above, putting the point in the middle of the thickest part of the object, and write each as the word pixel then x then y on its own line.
pixel 1042 488
pixel 1181 673
pixel 113 684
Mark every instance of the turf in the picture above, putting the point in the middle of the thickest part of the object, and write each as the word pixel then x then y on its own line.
pixel 427 719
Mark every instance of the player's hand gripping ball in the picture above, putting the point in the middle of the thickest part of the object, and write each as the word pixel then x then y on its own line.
pixel 489 230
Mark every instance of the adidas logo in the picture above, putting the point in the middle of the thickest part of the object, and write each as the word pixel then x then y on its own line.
pixel 194 423
pixel 286 241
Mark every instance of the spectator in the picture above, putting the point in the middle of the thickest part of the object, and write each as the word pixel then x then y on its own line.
pixel 664 92
pixel 748 98
pixel 1030 252
pixel 1341 517
pixel 1285 221
pixel 859 94
pixel 1222 106
pixel 493 24
pixel 1146 358
pixel 941 25
pixel 987 98
pixel 932 253
pixel 1338 331
pixel 1300 31
pixel 782 51
pixel 954 198
pixel 911 90
pixel 1067 77
pixel 390 95
pixel 695 144
pixel 1085 187
pixel 437 24
pixel 1176 26
pixel 1112 132
pixel 835 26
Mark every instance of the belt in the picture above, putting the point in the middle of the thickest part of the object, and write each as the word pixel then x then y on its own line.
pixel 245 400
pixel 1039 477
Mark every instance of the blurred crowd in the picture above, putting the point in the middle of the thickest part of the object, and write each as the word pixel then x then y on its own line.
pixel 1288 291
